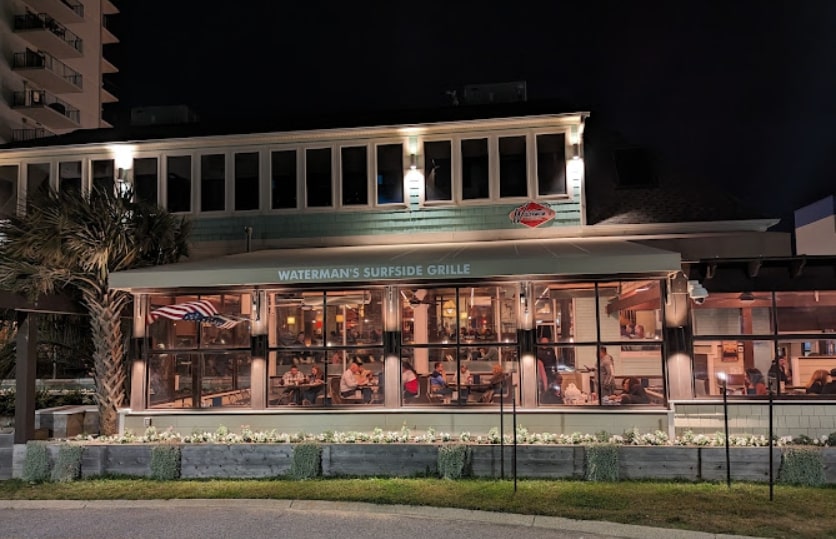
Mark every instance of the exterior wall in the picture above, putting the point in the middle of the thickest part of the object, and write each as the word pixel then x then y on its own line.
pixel 89 65
pixel 815 228
pixel 814 419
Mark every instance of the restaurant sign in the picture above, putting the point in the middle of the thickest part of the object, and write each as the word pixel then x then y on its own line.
pixel 314 274
pixel 531 214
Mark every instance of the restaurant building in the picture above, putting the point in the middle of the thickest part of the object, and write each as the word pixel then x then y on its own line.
pixel 546 273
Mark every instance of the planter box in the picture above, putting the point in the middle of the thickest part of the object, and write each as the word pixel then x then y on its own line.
pixel 665 463
pixel 7 442
pixel 557 462
pixel 225 461
pixel 746 463
pixel 395 460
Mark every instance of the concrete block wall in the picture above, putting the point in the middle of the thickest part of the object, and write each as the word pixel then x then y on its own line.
pixel 752 417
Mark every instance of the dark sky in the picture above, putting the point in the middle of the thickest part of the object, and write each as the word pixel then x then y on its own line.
pixel 738 95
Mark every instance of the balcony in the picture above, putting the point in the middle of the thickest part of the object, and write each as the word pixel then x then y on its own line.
pixel 49 35
pixel 65 11
pixel 47 72
pixel 46 109
pixel 22 135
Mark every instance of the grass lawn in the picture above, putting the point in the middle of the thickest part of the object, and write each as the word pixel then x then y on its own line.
pixel 745 509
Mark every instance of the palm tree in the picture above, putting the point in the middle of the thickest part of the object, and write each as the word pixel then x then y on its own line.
pixel 70 243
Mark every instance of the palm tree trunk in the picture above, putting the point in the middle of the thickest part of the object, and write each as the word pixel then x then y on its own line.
pixel 105 309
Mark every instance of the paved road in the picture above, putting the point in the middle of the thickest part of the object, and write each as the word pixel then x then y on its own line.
pixel 203 519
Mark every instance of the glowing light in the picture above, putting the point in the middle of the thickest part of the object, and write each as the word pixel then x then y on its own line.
pixel 123 155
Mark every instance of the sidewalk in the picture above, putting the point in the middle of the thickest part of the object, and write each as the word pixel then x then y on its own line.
pixel 596 528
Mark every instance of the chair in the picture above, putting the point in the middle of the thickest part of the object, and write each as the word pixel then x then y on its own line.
pixel 436 397
pixel 506 391
pixel 336 397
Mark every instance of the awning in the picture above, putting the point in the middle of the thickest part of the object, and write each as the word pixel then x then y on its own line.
pixel 407 263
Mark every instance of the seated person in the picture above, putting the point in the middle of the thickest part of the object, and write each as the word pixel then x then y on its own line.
pixel 755 384
pixel 438 384
pixel 633 393
pixel 409 378
pixel 830 387
pixel 553 394
pixel 817 382
pixel 293 377
pixel 349 383
pixel 465 377
pixel 488 354
pixel 317 381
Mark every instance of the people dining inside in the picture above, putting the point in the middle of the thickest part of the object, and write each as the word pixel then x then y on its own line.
pixel 316 381
pixel 755 384
pixel 409 378
pixel 293 377
pixel 354 379
pixel 438 381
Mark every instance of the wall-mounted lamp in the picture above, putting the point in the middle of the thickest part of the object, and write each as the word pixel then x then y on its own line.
pixel 291 320
pixel 339 318
pixel 413 161
pixel 121 174
pixel 576 151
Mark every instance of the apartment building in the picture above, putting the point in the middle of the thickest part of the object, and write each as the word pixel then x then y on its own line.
pixel 52 66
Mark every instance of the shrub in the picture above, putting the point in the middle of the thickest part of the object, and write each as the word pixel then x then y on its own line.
pixel 831 439
pixel 801 466
pixel 602 462
pixel 165 462
pixel 453 461
pixel 306 462
pixel 36 467
pixel 68 463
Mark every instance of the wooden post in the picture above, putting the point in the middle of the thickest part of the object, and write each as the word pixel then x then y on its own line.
pixel 25 364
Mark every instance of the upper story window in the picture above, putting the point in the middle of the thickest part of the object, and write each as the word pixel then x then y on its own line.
pixel 145 179
pixel 438 166
pixel 551 164
pixel 103 174
pixel 390 171
pixel 69 176
pixel 283 179
pixel 8 191
pixel 318 177
pixel 246 181
pixel 37 179
pixel 212 182
pixel 179 184
pixel 475 169
pixel 355 174
pixel 513 172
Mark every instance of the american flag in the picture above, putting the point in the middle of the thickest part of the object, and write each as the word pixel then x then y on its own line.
pixel 199 311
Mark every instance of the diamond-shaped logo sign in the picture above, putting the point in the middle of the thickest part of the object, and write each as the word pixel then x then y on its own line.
pixel 531 214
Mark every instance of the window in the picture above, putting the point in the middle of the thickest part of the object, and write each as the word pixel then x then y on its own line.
pixel 318 177
pixel 69 176
pixel 246 181
pixel 212 182
pixel 145 179
pixel 355 176
pixel 513 173
pixel 179 184
pixel 551 165
pixel 8 191
pixel 283 180
pixel 437 171
pixel 103 174
pixel 475 169
pixel 390 173
pixel 37 180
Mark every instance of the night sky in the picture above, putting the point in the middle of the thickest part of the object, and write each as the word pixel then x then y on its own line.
pixel 739 96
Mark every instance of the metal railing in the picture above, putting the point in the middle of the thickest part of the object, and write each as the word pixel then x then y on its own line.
pixel 40 98
pixel 33 59
pixel 42 21
pixel 21 135
pixel 77 7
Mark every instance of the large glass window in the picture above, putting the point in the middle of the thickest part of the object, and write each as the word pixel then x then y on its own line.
pixel 179 183
pixel 8 191
pixel 551 165
pixel 283 176
pixel 318 177
pixel 513 173
pixel 390 172
pixel 466 336
pixel 145 179
pixel 739 313
pixel 202 359
pixel 213 182
pixel 69 176
pixel 355 172
pixel 246 181
pixel 438 170
pixel 321 340
pixel 475 176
